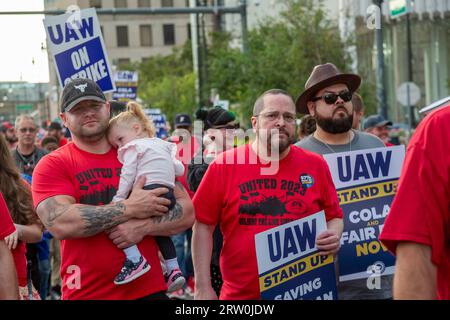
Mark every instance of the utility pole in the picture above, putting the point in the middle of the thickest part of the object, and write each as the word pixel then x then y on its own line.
pixel 195 57
pixel 412 121
pixel 381 85
pixel 204 92
pixel 244 27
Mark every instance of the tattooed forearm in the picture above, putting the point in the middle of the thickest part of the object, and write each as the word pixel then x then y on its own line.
pixel 54 211
pixel 97 219
pixel 172 215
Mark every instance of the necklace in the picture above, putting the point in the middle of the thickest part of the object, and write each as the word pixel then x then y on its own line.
pixel 329 147
pixel 29 161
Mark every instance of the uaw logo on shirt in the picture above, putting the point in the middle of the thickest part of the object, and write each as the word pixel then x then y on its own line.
pixel 306 180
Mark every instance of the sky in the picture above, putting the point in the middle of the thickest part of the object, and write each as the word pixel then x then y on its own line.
pixel 22 37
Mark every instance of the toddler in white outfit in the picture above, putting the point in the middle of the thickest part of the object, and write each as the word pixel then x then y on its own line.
pixel 142 154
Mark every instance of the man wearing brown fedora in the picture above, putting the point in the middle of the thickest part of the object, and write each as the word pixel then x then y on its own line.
pixel 328 98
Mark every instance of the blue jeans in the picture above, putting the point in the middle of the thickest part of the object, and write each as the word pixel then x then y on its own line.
pixel 184 255
pixel 44 271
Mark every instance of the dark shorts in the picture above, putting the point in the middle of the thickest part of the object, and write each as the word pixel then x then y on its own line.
pixel 169 195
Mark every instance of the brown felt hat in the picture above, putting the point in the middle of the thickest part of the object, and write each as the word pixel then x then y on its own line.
pixel 322 76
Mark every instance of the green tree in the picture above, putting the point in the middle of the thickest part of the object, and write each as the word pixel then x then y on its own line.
pixel 168 82
pixel 281 54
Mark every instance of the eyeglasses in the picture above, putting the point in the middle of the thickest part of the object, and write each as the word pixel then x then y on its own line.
pixel 331 98
pixel 30 130
pixel 272 116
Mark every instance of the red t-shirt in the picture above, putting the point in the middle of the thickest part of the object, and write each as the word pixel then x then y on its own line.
pixel 244 202
pixel 420 211
pixel 62 141
pixel 6 223
pixel 6 228
pixel 92 179
pixel 20 261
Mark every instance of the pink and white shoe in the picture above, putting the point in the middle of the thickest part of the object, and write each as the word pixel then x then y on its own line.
pixel 131 271
pixel 174 280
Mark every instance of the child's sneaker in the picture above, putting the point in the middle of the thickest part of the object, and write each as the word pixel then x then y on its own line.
pixel 131 271
pixel 174 280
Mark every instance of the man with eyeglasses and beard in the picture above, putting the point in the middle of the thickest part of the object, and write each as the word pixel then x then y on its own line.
pixel 253 188
pixel 328 97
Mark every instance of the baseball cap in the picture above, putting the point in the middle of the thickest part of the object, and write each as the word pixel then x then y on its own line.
pixel 55 126
pixel 80 90
pixel 376 120
pixel 182 120
pixel 6 125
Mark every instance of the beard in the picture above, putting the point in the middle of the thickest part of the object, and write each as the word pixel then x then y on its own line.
pixel 92 134
pixel 274 143
pixel 334 126
pixel 13 139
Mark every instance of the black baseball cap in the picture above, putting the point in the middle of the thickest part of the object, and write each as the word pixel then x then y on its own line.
pixel 55 126
pixel 376 121
pixel 182 120
pixel 80 90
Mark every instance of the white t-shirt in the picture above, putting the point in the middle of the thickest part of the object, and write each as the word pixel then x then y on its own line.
pixel 152 157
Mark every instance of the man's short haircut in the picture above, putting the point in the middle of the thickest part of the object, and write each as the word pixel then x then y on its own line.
pixel 358 103
pixel 259 103
pixel 23 117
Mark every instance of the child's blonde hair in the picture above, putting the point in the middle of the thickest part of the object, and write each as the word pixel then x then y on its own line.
pixel 134 113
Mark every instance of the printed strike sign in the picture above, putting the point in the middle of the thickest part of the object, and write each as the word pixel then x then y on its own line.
pixel 78 50
pixel 159 120
pixel 289 265
pixel 126 85
pixel 366 182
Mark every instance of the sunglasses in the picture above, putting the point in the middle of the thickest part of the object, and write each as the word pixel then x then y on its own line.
pixel 331 98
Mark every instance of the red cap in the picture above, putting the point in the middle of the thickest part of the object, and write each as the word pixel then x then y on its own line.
pixel 7 125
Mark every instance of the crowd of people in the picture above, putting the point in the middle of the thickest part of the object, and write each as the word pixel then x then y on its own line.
pixel 107 210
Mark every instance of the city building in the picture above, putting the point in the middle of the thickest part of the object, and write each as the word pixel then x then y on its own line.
pixel 133 38
pixel 430 29
pixel 130 38
pixel 23 97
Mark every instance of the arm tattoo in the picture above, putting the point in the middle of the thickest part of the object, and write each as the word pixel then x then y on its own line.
pixel 100 218
pixel 172 215
pixel 55 210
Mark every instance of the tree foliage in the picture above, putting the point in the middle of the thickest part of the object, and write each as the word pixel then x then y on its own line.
pixel 281 54
pixel 168 82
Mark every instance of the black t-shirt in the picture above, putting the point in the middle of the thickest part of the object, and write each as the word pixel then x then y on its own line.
pixel 26 163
